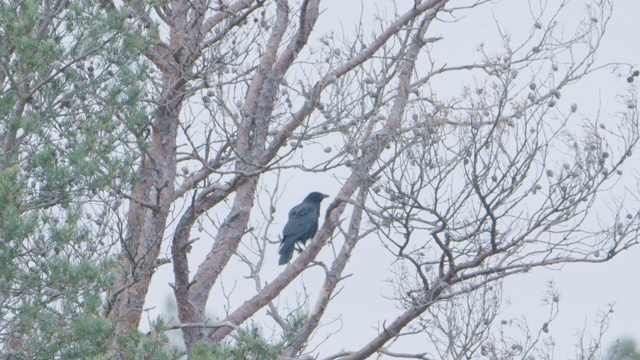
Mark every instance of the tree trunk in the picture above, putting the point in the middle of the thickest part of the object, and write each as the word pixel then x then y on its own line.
pixel 148 210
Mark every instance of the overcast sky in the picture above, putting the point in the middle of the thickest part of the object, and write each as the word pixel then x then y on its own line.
pixel 585 288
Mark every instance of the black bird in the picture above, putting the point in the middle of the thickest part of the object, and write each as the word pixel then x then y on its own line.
pixel 302 225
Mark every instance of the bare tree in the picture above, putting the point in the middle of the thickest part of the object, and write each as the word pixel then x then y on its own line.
pixel 461 190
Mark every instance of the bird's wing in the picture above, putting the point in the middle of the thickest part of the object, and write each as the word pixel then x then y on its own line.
pixel 302 219
pixel 302 226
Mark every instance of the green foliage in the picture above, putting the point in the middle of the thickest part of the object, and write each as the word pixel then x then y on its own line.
pixel 623 349
pixel 72 78
pixel 154 345
pixel 248 343
pixel 295 321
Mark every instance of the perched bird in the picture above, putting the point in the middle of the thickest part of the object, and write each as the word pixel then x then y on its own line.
pixel 302 225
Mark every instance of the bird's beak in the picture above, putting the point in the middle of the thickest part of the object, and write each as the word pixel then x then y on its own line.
pixel 325 196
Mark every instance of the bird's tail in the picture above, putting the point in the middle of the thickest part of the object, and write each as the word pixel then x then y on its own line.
pixel 286 250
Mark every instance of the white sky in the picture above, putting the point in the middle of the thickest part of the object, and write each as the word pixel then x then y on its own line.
pixel 584 288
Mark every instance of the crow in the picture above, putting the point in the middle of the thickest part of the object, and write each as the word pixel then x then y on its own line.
pixel 302 225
